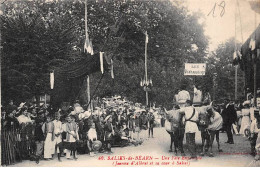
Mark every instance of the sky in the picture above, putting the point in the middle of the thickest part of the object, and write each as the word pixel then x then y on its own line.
pixel 220 28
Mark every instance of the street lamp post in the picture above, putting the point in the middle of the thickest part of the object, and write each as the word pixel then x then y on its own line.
pixel 146 84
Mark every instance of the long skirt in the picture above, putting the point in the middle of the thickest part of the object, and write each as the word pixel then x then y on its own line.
pixel 49 146
pixel 8 148
pixel 245 124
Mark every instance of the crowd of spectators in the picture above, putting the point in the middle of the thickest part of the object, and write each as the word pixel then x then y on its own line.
pixel 43 133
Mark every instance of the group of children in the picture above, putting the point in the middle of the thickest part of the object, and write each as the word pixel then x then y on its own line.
pixel 53 132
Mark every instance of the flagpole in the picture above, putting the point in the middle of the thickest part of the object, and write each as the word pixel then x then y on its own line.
pixel 244 75
pixel 86 19
pixel 88 90
pixel 254 65
pixel 236 82
pixel 235 51
pixel 146 76
pixel 86 34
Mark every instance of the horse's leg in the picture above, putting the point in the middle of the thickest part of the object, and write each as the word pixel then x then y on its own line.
pixel 207 136
pixel 175 140
pixel 217 138
pixel 212 136
pixel 203 143
pixel 171 135
pixel 180 138
pixel 172 139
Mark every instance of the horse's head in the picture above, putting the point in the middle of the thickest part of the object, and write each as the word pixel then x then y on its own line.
pixel 204 119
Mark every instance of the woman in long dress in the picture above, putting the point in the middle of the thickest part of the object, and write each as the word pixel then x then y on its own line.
pixel 245 122
pixel 49 145
pixel 10 152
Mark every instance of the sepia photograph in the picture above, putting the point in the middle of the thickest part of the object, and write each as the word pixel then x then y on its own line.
pixel 130 83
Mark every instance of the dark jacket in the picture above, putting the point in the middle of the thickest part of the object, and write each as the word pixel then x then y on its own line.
pixel 229 114
pixel 38 133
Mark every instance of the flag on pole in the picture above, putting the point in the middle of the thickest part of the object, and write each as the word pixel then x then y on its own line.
pixel 101 62
pixel 234 55
pixel 88 46
pixel 141 82
pixel 52 79
pixel 91 48
pixel 112 69
pixel 237 57
pixel 151 82
pixel 252 44
pixel 239 54
pixel 146 37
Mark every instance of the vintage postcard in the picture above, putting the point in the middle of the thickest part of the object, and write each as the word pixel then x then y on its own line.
pixel 130 83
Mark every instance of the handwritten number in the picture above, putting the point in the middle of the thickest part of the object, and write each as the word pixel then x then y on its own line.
pixel 213 10
pixel 222 5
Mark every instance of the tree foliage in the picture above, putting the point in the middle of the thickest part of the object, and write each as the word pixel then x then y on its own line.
pixel 220 62
pixel 39 36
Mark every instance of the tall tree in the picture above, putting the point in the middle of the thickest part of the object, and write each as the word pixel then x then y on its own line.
pixel 56 37
pixel 220 62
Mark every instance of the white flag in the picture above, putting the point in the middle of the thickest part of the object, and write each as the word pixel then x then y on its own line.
pixel 52 79
pixel 146 37
pixel 91 48
pixel 141 83
pixel 88 47
pixel 234 55
pixel 252 44
pixel 112 69
pixel 239 54
pixel 101 62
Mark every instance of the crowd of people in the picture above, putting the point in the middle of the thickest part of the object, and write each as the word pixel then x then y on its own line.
pixel 44 133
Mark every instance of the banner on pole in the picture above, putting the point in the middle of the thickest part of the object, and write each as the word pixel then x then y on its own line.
pixel 52 79
pixel 195 69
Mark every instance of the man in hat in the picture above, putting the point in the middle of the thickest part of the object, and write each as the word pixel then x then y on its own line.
pixel 109 132
pixel 131 124
pixel 229 117
pixel 39 136
pixel 183 96
pixel 57 131
pixel 151 119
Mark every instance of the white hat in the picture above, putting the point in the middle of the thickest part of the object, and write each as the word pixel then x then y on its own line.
pixel 21 105
pixel 87 114
pixel 81 116
pixel 72 113
pixel 78 109
pixel 246 102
